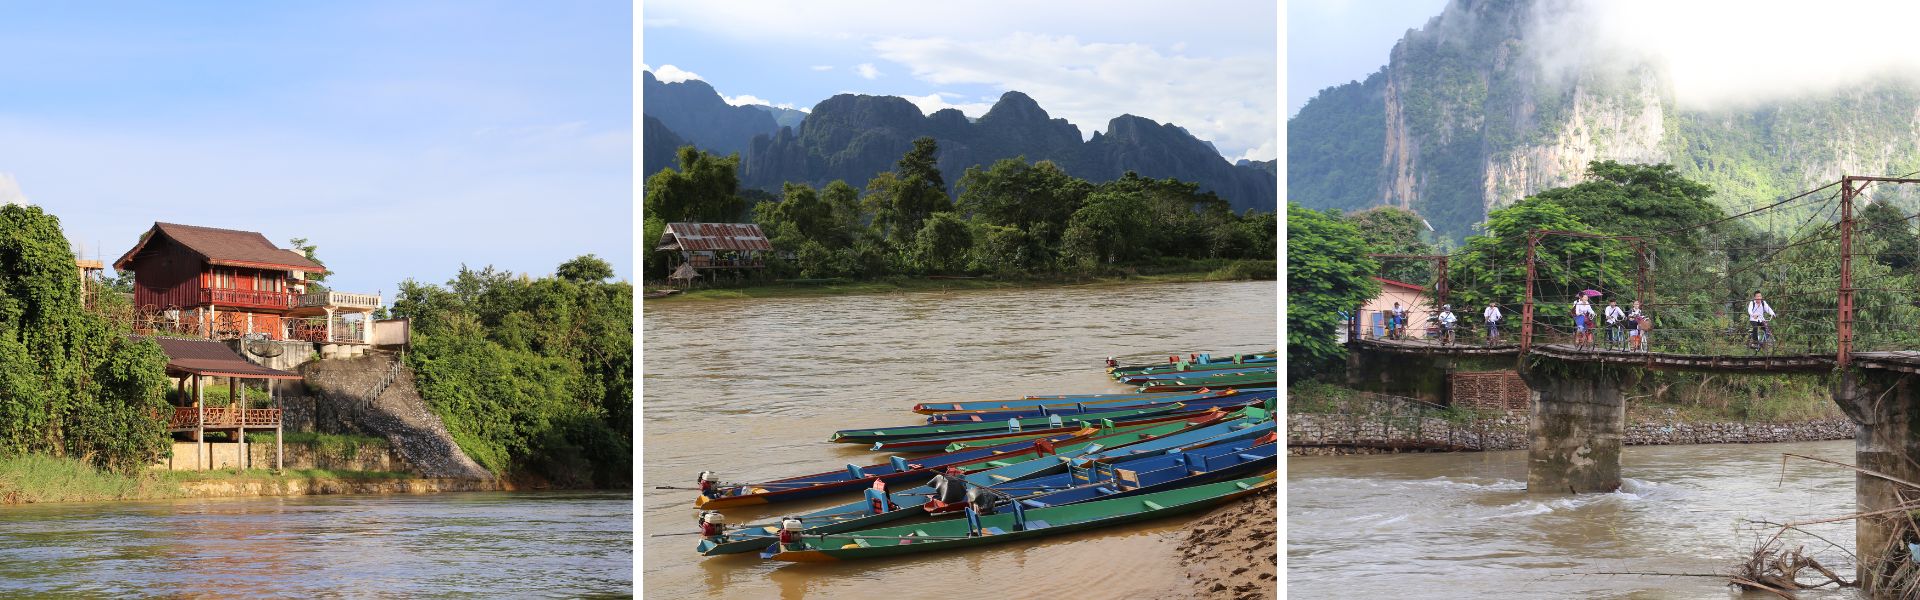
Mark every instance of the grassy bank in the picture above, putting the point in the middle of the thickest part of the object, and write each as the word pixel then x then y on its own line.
pixel 1195 271
pixel 38 478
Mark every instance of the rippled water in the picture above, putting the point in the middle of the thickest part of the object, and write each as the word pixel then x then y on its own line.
pixel 1463 526
pixel 497 544
pixel 752 388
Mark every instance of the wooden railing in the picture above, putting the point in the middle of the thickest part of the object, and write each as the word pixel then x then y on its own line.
pixel 187 417
pixel 314 329
pixel 339 299
pixel 248 298
pixel 708 262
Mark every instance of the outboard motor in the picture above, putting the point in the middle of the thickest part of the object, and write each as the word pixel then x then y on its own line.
pixel 1111 363
pixel 712 523
pixel 707 480
pixel 790 530
pixel 980 500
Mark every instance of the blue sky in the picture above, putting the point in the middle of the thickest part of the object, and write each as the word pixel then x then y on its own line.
pixel 1331 42
pixel 1209 66
pixel 404 138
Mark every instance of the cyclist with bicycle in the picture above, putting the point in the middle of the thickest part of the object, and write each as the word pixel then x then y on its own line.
pixel 1616 329
pixel 1399 321
pixel 1758 313
pixel 1446 323
pixel 1492 316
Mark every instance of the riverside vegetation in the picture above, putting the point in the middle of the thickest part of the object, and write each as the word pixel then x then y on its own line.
pixel 1012 221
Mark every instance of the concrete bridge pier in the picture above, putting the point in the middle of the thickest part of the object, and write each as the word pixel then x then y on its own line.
pixel 1578 420
pixel 1882 405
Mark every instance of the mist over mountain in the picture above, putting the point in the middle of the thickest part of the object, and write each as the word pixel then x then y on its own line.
pixel 1494 100
pixel 852 137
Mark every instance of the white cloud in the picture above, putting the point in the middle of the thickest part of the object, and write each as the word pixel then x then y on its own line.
pixel 866 70
pixel 823 67
pixel 1229 101
pixel 673 74
pixel 938 100
pixel 745 99
pixel 10 190
pixel 1762 50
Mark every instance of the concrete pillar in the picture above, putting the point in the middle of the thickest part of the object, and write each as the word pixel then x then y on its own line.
pixel 1577 423
pixel 1883 408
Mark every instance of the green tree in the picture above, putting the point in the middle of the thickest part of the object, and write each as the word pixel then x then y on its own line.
pixel 1640 200
pixel 942 244
pixel 1327 272
pixel 1892 232
pixel 585 269
pixel 72 383
pixel 1111 228
pixel 1014 193
pixel 904 198
pixel 1393 230
pixel 706 188
pixel 1493 267
pixel 311 251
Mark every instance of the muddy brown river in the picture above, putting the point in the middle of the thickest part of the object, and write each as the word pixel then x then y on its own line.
pixel 1463 526
pixel 752 388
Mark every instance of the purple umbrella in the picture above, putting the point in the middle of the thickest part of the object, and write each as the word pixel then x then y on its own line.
pixel 1590 292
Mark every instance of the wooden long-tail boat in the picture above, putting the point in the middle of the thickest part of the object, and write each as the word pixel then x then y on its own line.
pixel 1014 526
pixel 906 503
pixel 1140 379
pixel 715 496
pixel 907 432
pixel 933 408
pixel 1224 381
pixel 1001 416
pixel 939 443
pixel 1139 474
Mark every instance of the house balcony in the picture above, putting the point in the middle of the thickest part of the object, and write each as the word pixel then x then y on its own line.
pixel 332 303
pixel 225 297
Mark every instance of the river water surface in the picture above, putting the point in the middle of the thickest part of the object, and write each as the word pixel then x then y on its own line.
pixel 1463 526
pixel 752 388
pixel 491 544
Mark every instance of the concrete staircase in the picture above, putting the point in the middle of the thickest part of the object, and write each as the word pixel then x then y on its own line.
pixel 374 394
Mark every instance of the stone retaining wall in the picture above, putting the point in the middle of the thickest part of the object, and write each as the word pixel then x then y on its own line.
pixel 1332 434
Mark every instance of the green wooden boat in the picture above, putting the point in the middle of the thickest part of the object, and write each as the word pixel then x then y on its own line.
pixel 881 434
pixel 1218 382
pixel 1012 526
pixel 1134 433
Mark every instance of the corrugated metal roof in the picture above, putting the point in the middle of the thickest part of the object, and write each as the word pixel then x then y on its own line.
pixel 716 236
pixel 208 357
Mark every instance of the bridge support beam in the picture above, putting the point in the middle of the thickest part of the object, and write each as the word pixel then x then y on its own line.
pixel 1576 429
pixel 1886 412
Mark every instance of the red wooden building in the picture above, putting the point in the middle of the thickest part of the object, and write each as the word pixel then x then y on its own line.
pixel 224 283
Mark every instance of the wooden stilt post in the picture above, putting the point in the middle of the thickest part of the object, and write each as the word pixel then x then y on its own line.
pixel 237 407
pixel 279 450
pixel 200 424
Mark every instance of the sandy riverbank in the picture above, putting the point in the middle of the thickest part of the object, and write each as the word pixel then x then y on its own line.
pixel 1231 553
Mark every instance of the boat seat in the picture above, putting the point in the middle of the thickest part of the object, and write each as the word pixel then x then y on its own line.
pixel 771 529
pixel 995 531
pixel 1242 485
pixel 1033 524
pixel 1150 505
pixel 1034 503
pixel 862 542
pixel 1249 456
pixel 998 463
pixel 1106 490
pixel 1001 477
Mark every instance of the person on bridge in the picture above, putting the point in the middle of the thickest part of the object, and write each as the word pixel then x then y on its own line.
pixel 1637 322
pixel 1615 321
pixel 1582 321
pixel 1492 316
pixel 1399 322
pixel 1447 320
pixel 1758 312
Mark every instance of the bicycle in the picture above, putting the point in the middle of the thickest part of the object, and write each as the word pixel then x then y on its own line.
pixel 1616 337
pixel 1493 333
pixel 1761 339
pixel 1446 334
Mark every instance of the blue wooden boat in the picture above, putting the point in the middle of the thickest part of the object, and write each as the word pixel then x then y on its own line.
pixel 1070 401
pixel 1139 474
pixel 715 495
pixel 1095 412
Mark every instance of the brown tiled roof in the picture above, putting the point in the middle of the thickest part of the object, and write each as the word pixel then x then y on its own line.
pixel 208 357
pixel 226 247
pixel 715 236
